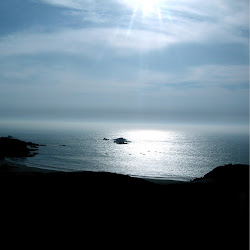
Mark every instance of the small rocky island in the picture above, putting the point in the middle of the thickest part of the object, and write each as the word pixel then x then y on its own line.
pixel 121 140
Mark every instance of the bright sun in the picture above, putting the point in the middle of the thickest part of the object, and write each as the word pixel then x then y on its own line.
pixel 146 6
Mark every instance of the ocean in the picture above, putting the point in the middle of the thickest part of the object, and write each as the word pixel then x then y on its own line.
pixel 172 154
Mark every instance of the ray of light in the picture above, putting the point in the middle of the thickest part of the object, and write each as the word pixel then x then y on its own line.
pixel 131 23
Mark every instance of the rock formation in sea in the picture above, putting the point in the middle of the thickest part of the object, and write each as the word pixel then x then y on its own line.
pixel 121 140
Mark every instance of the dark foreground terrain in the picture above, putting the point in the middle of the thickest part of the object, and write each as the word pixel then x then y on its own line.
pixel 212 210
pixel 207 213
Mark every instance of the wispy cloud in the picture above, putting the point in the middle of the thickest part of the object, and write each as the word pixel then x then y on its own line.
pixel 215 21
pixel 203 76
pixel 56 88
pixel 72 4
pixel 83 41
pixel 194 20
pixel 90 41
pixel 220 75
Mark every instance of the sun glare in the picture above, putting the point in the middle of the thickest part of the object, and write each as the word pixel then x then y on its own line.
pixel 148 9
pixel 146 6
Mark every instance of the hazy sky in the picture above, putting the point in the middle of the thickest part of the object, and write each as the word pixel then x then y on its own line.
pixel 167 61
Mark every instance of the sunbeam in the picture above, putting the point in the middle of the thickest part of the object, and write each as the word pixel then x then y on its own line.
pixel 147 7
pixel 132 21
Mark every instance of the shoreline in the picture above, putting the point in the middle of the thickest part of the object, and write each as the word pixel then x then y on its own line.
pixel 20 168
pixel 7 167
pixel 12 167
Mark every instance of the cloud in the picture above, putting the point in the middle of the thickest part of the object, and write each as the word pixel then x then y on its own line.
pixel 89 41
pixel 215 21
pixel 220 75
pixel 210 22
pixel 203 76
pixel 103 57
pixel 83 41
pixel 72 4
pixel 59 90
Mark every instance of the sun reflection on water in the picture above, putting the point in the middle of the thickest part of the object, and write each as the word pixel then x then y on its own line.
pixel 149 144
pixel 150 135
pixel 154 153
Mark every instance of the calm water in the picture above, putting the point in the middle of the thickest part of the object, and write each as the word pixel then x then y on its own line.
pixel 164 154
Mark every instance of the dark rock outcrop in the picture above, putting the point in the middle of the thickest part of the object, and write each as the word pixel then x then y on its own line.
pixel 121 140
pixel 234 176
pixel 227 172
pixel 11 147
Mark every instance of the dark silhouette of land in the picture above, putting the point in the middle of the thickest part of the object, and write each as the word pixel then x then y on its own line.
pixel 210 212
pixel 11 147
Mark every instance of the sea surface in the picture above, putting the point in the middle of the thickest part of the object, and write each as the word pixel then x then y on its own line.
pixel 152 153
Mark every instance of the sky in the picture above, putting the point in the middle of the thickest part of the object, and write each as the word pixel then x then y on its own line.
pixel 166 61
